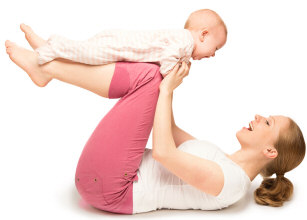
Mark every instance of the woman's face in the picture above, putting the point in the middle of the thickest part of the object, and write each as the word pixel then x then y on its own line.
pixel 262 132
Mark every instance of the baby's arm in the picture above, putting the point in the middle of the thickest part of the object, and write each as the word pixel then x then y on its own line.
pixel 171 56
pixel 167 64
pixel 167 67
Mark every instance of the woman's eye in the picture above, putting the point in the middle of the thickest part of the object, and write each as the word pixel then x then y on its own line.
pixel 267 122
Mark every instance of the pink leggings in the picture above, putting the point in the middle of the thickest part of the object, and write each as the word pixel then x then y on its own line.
pixel 111 157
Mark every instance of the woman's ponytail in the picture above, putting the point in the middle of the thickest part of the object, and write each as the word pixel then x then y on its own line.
pixel 274 191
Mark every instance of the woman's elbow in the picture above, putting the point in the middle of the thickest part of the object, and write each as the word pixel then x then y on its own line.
pixel 161 154
pixel 156 155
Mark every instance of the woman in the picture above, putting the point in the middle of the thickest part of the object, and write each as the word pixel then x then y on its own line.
pixel 116 173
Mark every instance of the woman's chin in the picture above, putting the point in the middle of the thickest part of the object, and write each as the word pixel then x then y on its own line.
pixel 241 133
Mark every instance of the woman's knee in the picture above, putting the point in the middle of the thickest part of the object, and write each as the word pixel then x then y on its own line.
pixel 157 76
pixel 129 77
pixel 154 76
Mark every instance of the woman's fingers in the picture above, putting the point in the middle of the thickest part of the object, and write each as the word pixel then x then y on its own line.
pixel 175 77
pixel 187 69
pixel 181 70
pixel 184 70
pixel 176 68
pixel 189 65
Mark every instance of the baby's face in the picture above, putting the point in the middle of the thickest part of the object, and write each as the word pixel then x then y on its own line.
pixel 207 44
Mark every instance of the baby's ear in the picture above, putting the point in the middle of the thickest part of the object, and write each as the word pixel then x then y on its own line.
pixel 203 34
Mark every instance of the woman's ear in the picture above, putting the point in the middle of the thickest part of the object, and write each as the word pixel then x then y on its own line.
pixel 203 34
pixel 270 152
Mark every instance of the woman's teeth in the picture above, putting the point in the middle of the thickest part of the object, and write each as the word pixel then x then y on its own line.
pixel 251 128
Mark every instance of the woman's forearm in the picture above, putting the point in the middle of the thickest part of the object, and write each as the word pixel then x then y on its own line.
pixel 163 142
pixel 172 116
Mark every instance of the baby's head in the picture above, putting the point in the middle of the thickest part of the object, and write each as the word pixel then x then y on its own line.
pixel 209 33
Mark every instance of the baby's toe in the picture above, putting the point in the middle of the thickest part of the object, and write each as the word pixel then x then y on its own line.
pixel 9 50
pixel 7 43
pixel 25 28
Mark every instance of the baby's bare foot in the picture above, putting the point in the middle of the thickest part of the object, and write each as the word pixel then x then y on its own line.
pixel 34 40
pixel 27 60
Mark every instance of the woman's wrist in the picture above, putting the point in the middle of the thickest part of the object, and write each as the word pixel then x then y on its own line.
pixel 165 92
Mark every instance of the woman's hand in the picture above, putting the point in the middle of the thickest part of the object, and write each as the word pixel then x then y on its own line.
pixel 175 77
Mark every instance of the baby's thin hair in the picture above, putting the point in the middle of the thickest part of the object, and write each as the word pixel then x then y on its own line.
pixel 204 18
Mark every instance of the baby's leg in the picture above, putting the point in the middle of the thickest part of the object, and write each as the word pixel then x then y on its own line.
pixel 96 79
pixel 92 51
pixel 33 39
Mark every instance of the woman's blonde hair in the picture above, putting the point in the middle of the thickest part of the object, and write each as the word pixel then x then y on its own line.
pixel 291 151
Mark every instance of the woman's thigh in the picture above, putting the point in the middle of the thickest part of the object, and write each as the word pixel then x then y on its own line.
pixel 110 160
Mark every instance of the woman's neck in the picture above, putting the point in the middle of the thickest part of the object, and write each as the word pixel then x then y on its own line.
pixel 249 161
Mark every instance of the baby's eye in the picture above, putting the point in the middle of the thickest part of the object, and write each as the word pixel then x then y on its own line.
pixel 267 122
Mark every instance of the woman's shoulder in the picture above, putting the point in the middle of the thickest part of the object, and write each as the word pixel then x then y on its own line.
pixel 236 182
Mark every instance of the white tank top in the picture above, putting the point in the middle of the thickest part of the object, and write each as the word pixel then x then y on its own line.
pixel 158 188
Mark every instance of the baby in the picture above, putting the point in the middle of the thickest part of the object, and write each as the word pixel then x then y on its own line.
pixel 204 33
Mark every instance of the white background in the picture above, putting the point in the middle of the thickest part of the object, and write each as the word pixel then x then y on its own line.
pixel 261 70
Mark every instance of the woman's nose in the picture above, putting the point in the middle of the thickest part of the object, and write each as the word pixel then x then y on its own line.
pixel 257 117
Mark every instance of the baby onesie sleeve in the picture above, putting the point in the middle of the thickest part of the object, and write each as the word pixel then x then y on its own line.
pixel 167 64
pixel 178 48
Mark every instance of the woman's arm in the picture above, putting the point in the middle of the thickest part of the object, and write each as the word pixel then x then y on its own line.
pixel 164 124
pixel 198 172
